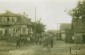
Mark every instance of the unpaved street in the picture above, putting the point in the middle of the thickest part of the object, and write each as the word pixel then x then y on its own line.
pixel 60 48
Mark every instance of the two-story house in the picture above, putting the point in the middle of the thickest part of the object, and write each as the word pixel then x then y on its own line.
pixel 12 24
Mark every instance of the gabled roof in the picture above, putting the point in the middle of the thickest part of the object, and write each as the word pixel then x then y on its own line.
pixel 22 19
pixel 7 14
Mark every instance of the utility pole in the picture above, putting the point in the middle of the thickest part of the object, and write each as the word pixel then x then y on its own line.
pixel 35 25
pixel 57 32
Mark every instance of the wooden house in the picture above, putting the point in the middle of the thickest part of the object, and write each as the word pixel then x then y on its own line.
pixel 13 24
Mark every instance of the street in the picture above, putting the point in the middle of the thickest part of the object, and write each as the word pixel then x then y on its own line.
pixel 60 48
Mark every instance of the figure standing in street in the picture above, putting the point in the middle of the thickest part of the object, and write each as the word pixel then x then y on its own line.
pixel 48 41
pixel 51 40
pixel 18 43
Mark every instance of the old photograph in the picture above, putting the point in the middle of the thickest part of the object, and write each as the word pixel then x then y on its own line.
pixel 42 27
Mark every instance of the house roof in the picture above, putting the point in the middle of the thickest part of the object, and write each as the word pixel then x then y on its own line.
pixel 78 26
pixel 8 13
pixel 22 20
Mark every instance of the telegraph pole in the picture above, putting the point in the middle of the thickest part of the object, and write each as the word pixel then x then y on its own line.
pixel 57 31
pixel 35 25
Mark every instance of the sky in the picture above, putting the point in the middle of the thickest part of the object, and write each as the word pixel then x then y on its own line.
pixel 51 12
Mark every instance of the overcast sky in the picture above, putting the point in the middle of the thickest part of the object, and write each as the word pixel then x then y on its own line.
pixel 51 12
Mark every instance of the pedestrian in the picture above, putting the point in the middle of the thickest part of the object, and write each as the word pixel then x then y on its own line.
pixel 40 40
pixel 18 43
pixel 44 41
pixel 51 41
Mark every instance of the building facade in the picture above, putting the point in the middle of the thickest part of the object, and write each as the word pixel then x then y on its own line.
pixel 63 27
pixel 79 30
pixel 66 32
pixel 12 25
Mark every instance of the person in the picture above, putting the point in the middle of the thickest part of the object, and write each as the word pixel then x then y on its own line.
pixel 48 41
pixel 18 43
pixel 51 41
pixel 44 41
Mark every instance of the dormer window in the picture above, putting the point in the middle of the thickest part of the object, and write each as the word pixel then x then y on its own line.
pixel 4 19
pixel 10 18
pixel 7 19
pixel 15 19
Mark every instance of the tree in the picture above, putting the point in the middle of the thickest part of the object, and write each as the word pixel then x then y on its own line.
pixel 39 27
pixel 78 12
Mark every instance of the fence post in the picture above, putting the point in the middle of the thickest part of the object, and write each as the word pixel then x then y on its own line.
pixel 70 50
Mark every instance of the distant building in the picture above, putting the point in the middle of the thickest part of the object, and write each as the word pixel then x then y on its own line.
pixel 56 33
pixel 53 32
pixel 63 26
pixel 12 24
pixel 79 30
pixel 69 36
pixel 66 32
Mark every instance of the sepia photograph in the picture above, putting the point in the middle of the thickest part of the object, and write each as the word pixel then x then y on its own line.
pixel 42 27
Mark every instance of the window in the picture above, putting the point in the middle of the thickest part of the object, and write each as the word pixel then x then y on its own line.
pixel 4 19
pixel 6 31
pixel 14 30
pixel 23 31
pixel 10 18
pixel 15 19
pixel 2 31
pixel 7 19
pixel 10 31
pixel 24 26
pixel 26 31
